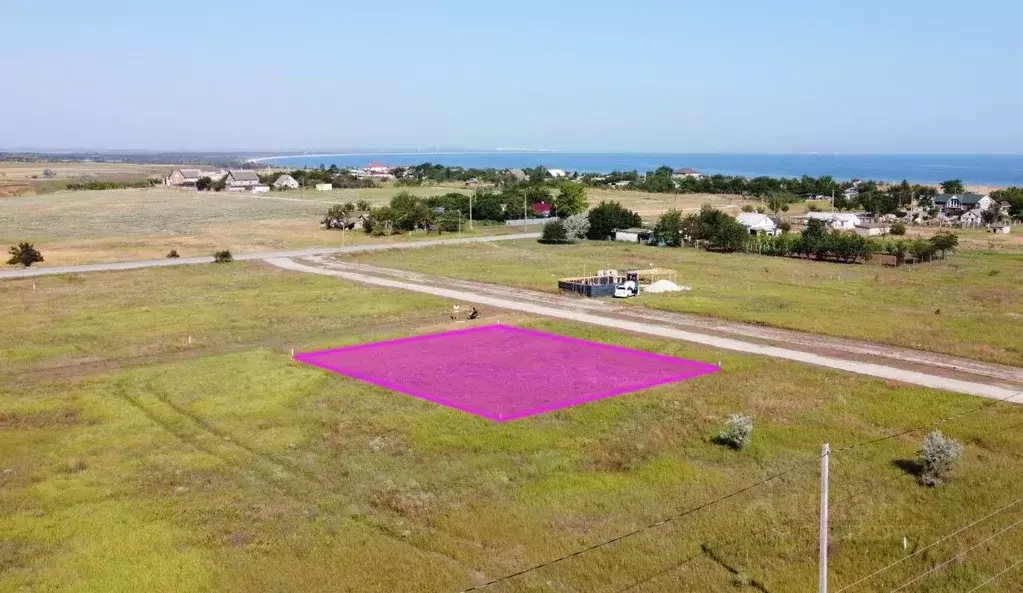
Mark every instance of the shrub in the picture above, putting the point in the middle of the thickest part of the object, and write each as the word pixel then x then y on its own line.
pixel 898 228
pixel 204 183
pixel 223 257
pixel 748 208
pixel 554 232
pixel 362 206
pixel 449 222
pixel 576 226
pixel 339 216
pixel 24 254
pixel 49 173
pixel 785 226
pixel 608 217
pixel 937 458
pixel 737 432
pixel 813 208
pixel 173 254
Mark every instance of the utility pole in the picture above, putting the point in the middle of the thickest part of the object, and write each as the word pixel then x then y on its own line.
pixel 823 578
pixel 470 210
pixel 524 229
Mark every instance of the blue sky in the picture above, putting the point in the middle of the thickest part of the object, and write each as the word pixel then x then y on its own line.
pixel 867 76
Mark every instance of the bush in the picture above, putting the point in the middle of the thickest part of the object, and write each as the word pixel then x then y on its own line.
pixel 668 229
pixel 898 228
pixel 223 257
pixel 49 173
pixel 737 432
pixel 339 216
pixel 449 222
pixel 576 226
pixel 785 226
pixel 554 232
pixel 748 208
pixel 24 254
pixel 362 206
pixel 813 208
pixel 173 254
pixel 937 458
pixel 608 217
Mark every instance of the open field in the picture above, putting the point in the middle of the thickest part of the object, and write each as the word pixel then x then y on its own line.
pixel 118 225
pixel 26 179
pixel 133 461
pixel 968 305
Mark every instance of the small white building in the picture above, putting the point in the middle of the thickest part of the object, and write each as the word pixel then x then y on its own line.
pixel 836 220
pixel 633 235
pixel 1001 228
pixel 975 216
pixel 557 173
pixel 324 187
pixel 285 182
pixel 757 223
pixel 873 229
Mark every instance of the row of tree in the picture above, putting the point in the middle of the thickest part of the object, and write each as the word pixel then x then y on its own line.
pixel 717 231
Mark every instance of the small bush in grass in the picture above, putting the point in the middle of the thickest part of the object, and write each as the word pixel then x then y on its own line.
pixel 554 232
pixel 576 226
pixel 223 257
pixel 937 458
pixel 25 254
pixel 173 254
pixel 362 205
pixel 898 228
pixel 737 432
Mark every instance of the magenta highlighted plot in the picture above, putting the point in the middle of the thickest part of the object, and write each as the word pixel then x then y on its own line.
pixel 503 373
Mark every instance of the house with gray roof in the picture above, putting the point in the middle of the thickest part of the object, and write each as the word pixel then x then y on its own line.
pixel 241 180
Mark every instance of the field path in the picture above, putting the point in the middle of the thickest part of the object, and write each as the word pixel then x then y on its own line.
pixel 185 261
pixel 520 300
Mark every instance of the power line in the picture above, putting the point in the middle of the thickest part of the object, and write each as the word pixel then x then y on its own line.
pixel 928 547
pixel 847 448
pixel 636 531
pixel 954 558
pixel 1014 565
pixel 725 497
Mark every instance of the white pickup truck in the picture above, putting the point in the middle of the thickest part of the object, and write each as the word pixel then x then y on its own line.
pixel 627 289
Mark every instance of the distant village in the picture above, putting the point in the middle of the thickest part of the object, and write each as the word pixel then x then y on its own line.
pixel 958 210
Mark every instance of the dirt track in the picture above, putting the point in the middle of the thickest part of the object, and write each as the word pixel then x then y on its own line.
pixel 908 366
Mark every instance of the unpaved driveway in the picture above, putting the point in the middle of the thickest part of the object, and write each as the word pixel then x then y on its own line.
pixel 582 315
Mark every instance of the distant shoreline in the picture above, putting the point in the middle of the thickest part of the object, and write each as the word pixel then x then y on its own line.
pixel 384 154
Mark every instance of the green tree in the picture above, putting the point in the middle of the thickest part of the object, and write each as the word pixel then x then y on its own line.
pixel 571 200
pixel 728 235
pixel 204 184
pixel 1014 196
pixel 953 186
pixel 554 232
pixel 668 229
pixel 608 217
pixel 409 212
pixel 898 228
pixel 944 241
pixel 362 206
pixel 24 254
pixel 339 216
pixel 992 215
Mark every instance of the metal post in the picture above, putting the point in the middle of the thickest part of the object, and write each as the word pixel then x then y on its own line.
pixel 524 229
pixel 470 210
pixel 823 577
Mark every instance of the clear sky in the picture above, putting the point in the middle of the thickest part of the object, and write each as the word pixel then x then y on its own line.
pixel 874 76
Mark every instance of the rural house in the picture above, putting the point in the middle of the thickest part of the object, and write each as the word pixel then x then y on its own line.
pixel 556 173
pixel 241 180
pixel 183 178
pixel 687 173
pixel 285 182
pixel 835 220
pixel 873 229
pixel 518 174
pixel 757 223
pixel 954 203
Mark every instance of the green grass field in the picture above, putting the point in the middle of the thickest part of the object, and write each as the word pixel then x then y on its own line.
pixel 968 305
pixel 131 460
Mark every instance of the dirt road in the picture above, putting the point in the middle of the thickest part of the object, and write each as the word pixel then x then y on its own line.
pixel 583 312
pixel 185 261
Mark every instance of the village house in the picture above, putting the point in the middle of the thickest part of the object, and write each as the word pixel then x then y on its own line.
pixel 241 180
pixel 954 203
pixel 285 182
pixel 1000 228
pixel 835 220
pixel 757 223
pixel 686 173
pixel 633 235
pixel 973 217
pixel 518 174
pixel 183 178
pixel 873 229
pixel 556 173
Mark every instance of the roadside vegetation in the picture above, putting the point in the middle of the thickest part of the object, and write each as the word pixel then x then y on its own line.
pixel 134 460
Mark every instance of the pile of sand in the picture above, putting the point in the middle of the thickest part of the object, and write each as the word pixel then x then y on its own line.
pixel 666 286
